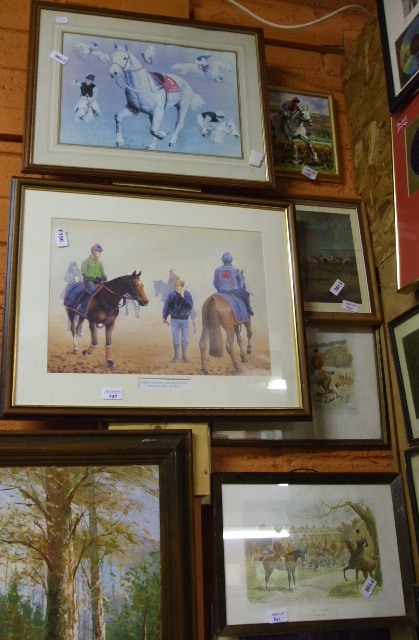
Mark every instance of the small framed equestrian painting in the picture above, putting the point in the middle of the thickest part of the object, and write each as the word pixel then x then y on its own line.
pixel 303 131
pixel 399 28
pixel 336 261
pixel 404 341
pixel 347 386
pixel 123 301
pixel 127 97
pixel 411 457
pixel 100 530
pixel 310 552
pixel 405 137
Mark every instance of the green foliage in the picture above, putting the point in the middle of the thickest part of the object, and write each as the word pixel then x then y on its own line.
pixel 19 620
pixel 138 617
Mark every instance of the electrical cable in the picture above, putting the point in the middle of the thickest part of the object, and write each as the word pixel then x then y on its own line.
pixel 299 26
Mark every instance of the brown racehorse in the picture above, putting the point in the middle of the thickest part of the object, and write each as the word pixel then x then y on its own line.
pixel 103 310
pixel 216 313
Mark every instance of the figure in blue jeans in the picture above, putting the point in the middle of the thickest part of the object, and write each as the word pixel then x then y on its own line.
pixel 178 306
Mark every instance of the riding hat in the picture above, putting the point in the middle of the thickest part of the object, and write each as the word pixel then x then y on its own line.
pixel 90 77
pixel 96 247
pixel 227 257
pixel 220 114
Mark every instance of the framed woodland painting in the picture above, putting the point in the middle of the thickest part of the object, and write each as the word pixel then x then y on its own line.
pixel 311 552
pixel 97 535
pixel 128 96
pixel 303 132
pixel 94 316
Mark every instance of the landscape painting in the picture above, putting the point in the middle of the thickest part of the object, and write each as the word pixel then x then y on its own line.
pixel 80 552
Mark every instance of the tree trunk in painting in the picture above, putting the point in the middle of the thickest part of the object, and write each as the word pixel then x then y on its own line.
pixel 145 624
pixel 98 618
pixel 368 519
pixel 61 622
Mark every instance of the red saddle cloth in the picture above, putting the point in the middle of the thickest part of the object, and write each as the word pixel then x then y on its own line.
pixel 168 83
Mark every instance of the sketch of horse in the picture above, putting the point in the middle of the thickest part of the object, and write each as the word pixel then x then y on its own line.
pixel 218 130
pixel 151 93
pixel 216 69
pixel 293 127
pixel 83 111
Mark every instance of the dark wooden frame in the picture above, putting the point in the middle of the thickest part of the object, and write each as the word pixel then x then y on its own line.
pixel 171 452
pixel 250 165
pixel 397 97
pixel 340 307
pixel 398 541
pixel 408 324
pixel 413 486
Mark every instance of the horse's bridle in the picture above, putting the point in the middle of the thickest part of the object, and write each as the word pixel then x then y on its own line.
pixel 124 71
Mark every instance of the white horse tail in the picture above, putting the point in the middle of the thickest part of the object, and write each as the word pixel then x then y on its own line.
pixel 197 101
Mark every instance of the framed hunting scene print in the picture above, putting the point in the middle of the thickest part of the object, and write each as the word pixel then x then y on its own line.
pixel 303 132
pixel 124 301
pixel 113 93
pixel 304 552
pixel 98 528
pixel 347 388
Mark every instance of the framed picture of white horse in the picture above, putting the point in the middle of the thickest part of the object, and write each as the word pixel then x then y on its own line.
pixel 100 534
pixel 303 552
pixel 127 96
pixel 303 133
pixel 126 301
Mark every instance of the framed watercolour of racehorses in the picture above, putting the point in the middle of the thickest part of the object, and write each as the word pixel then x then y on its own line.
pixel 217 328
pixel 116 93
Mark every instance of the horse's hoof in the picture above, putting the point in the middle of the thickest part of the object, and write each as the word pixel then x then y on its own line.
pixel 249 351
pixel 85 352
pixel 158 134
pixel 172 144
pixel 111 364
pixel 205 372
